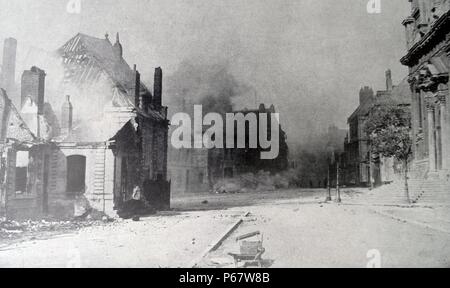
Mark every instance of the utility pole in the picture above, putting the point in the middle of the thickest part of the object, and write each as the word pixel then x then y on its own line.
pixel 338 190
pixel 371 169
pixel 328 185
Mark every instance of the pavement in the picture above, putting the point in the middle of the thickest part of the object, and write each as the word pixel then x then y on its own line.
pixel 167 240
pixel 306 233
pixel 299 230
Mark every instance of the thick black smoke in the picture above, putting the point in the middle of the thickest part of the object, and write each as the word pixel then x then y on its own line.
pixel 212 86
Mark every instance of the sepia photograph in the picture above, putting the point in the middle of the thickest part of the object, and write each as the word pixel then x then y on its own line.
pixel 224 134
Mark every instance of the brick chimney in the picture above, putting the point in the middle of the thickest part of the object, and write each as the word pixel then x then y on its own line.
pixel 136 89
pixel 7 79
pixel 66 116
pixel 33 86
pixel 147 99
pixel 365 94
pixel 389 85
pixel 117 47
pixel 157 88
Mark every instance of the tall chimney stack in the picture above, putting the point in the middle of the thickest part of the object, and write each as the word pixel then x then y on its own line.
pixel 33 86
pixel 136 90
pixel 157 88
pixel 66 116
pixel 366 93
pixel 8 77
pixel 389 85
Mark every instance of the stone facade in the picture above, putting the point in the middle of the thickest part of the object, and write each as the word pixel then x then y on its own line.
pixel 428 43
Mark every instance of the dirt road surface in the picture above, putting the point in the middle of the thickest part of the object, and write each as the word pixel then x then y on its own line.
pixel 298 231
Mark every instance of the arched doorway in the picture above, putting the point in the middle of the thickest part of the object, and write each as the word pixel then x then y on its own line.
pixel 76 175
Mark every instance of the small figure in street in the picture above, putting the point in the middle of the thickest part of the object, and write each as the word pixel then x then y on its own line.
pixel 137 193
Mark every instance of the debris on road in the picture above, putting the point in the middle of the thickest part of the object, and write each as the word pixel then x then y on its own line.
pixel 16 229
pixel 261 181
pixel 248 235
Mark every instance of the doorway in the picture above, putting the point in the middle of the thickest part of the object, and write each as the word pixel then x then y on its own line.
pixel 76 175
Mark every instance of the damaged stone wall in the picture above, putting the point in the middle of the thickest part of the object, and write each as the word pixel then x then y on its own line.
pixel 140 152
pixel 29 203
pixel 99 179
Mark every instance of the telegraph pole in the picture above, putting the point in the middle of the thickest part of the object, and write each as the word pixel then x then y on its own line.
pixel 338 190
pixel 328 185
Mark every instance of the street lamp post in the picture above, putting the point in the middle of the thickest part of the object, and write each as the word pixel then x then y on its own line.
pixel 328 185
pixel 338 190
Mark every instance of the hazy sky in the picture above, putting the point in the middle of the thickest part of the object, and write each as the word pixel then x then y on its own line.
pixel 308 57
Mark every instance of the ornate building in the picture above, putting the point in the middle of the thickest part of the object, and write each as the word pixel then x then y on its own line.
pixel 428 44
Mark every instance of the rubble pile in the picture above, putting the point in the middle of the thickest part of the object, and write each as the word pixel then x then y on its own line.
pixel 261 181
pixel 16 229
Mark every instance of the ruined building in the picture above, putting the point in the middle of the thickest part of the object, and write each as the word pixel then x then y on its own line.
pixel 24 158
pixel 230 163
pixel 112 132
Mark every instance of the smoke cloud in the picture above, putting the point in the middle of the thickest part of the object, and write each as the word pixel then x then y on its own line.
pixel 211 85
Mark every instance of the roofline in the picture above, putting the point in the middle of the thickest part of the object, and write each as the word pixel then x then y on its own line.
pixel 438 27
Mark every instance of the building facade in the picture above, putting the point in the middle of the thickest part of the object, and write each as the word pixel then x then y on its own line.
pixel 360 167
pixel 357 168
pixel 229 163
pixel 428 44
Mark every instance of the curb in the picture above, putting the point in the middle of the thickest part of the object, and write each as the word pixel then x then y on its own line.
pixel 217 243
pixel 423 225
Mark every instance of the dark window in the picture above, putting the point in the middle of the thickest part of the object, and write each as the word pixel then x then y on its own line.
pixel 22 161
pixel 76 174
pixel 21 179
